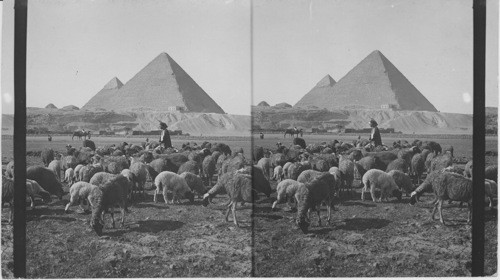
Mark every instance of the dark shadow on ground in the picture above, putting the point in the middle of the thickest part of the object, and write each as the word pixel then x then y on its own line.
pixel 156 226
pixel 364 224
pixel 357 203
pixel 267 216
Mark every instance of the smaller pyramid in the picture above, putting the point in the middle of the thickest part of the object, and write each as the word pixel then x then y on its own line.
pixel 50 106
pixel 322 88
pixel 105 95
pixel 283 105
pixel 70 107
pixel 263 104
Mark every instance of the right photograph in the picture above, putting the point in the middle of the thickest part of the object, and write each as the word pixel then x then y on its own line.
pixel 362 120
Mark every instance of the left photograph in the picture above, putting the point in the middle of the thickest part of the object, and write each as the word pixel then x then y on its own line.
pixel 138 139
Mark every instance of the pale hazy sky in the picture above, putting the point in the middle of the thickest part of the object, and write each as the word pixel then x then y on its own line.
pixel 296 43
pixel 75 47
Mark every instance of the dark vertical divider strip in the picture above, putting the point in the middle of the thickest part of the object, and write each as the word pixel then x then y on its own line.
pixel 479 19
pixel 20 28
pixel 252 273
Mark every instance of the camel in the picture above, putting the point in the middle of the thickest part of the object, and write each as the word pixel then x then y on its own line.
pixel 80 133
pixel 293 131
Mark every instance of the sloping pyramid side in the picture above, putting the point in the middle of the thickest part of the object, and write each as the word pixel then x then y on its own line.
pixel 373 83
pixel 318 93
pixel 106 96
pixel 162 84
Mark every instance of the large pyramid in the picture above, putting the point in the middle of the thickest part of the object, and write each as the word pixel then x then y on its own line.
pixel 106 96
pixel 375 83
pixel 322 88
pixel 160 86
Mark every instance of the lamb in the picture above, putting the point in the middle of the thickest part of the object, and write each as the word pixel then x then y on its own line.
pixel 47 156
pixel 278 174
pixel 208 169
pixel 239 188
pixel 8 195
pixel 286 190
pixel 172 182
pixel 9 170
pixel 77 171
pixel 33 189
pixel 112 193
pixel 403 181
pixel 468 169
pixel 47 180
pixel 194 182
pixel 101 177
pixel 69 176
pixel 69 162
pixel 377 179
pixel 286 166
pixel 417 166
pixel 265 164
pixel 310 196
pixel 79 192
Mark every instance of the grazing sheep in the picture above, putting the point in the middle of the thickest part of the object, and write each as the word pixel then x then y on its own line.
pixel 278 174
pixel 417 166
pixel 88 171
pixel 89 144
pixel 385 157
pixel 346 167
pixel 296 168
pixel 367 163
pixel 221 147
pixel 46 179
pixel 105 197
pixel 101 177
pixel 194 182
pixel 259 182
pixel 9 170
pixel 310 196
pixel 286 190
pixel 47 156
pixel 77 171
pixel 140 172
pixel 172 182
pixel 278 159
pixel 454 187
pixel 239 188
pixel 33 189
pixel 455 169
pixel 299 141
pixel 189 166
pixel 377 179
pixel 398 164
pixel 407 154
pixel 440 162
pixel 308 175
pixel 79 192
pixel 425 186
pixel 55 166
pixel 403 181
pixel 286 166
pixel 491 173
pixel 265 164
pixel 8 195
pixel 232 164
pixel 208 169
pixel 468 169
pixel 69 176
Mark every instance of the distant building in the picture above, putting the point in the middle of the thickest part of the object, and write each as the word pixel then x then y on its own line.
pixel 176 109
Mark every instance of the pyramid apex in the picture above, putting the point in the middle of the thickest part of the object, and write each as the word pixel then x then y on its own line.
pixel 326 81
pixel 114 83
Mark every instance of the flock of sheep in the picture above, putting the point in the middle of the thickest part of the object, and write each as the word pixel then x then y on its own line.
pixel 307 176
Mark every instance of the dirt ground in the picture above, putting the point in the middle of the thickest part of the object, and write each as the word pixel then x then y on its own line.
pixel 188 240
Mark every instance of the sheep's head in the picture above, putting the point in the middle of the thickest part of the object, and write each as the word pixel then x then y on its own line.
pixel 189 195
pixel 45 197
pixel 397 193
pixel 413 198
pixel 303 224
pixel 206 198
pixel 97 226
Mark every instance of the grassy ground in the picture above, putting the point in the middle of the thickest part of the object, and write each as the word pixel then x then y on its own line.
pixel 189 240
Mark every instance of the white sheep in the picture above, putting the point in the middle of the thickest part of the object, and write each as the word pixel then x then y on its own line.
pixel 174 183
pixel 101 177
pixel 69 176
pixel 285 169
pixel 378 179
pixel 278 174
pixel 140 172
pixel 77 172
pixel 286 190
pixel 79 192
